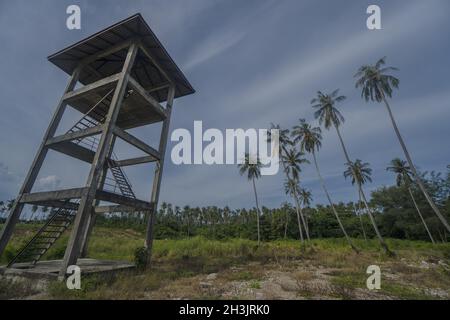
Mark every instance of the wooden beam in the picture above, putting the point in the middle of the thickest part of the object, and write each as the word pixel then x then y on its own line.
pixel 151 101
pixel 161 87
pixel 75 135
pixel 133 161
pixel 136 142
pixel 119 199
pixel 65 194
pixel 157 176
pixel 150 57
pixel 74 150
pixel 108 51
pixel 92 86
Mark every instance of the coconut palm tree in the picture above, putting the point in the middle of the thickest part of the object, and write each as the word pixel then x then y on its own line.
pixel 359 214
pixel 403 178
pixel 293 159
pixel 305 197
pixel 377 85
pixel 252 167
pixel 284 143
pixel 360 173
pixel 329 116
pixel 292 188
pixel 310 140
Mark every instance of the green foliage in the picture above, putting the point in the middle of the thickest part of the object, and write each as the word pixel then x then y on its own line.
pixel 141 257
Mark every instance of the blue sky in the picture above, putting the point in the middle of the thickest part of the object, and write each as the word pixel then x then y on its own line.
pixel 252 63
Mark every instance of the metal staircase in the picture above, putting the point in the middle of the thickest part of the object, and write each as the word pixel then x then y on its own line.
pixel 51 231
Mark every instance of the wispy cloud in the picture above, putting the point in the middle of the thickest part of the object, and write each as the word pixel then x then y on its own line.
pixel 213 46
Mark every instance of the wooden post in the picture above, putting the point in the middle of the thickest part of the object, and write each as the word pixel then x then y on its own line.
pixel 78 232
pixel 30 179
pixel 158 175
pixel 93 214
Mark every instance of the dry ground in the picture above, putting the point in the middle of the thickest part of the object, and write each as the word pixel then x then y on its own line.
pixel 198 268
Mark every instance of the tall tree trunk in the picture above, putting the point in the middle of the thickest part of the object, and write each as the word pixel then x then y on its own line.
pixel 322 182
pixel 286 224
pixel 257 210
pixel 360 217
pixel 363 196
pixel 413 168
pixel 420 215
pixel 297 207
pixel 299 224
pixel 302 216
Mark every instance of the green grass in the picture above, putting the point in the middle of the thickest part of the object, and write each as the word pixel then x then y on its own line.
pixel 179 264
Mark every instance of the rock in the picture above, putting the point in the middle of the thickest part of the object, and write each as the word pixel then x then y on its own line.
pixel 211 276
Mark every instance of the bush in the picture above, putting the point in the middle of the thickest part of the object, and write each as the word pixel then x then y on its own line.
pixel 141 257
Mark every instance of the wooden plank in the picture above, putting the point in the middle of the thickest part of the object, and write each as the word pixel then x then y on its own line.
pixel 91 87
pixel 75 135
pixel 64 194
pixel 133 161
pixel 136 142
pixel 119 199
pixel 151 101
pixel 74 150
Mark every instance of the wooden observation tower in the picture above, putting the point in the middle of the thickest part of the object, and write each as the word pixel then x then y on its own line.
pixel 120 78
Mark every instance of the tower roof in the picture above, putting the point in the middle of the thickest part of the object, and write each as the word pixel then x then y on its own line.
pixel 67 59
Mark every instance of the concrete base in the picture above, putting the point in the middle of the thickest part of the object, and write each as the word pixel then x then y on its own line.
pixel 50 269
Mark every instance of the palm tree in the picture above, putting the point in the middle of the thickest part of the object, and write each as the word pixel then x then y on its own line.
pixel 305 197
pixel 292 161
pixel 359 214
pixel 360 173
pixel 310 140
pixel 252 166
pixel 377 85
pixel 329 115
pixel 291 188
pixel 403 178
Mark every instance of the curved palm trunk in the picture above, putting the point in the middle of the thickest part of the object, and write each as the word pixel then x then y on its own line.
pixel 413 168
pixel 257 210
pixel 360 217
pixel 300 210
pixel 420 215
pixel 298 222
pixel 297 208
pixel 322 182
pixel 363 196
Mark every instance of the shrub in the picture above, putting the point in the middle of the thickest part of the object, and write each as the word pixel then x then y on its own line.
pixel 141 257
